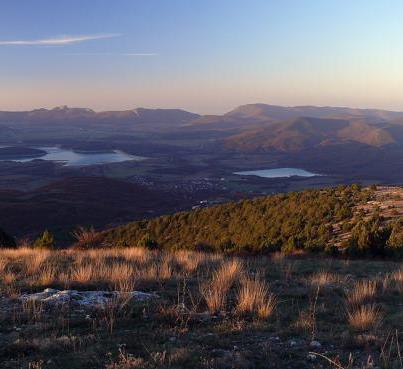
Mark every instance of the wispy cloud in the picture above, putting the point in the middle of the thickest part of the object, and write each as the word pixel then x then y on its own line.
pixel 58 41
pixel 115 54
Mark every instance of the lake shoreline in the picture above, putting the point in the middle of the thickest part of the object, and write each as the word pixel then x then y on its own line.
pixel 279 173
pixel 70 157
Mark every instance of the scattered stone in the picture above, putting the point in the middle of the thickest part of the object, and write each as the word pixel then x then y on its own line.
pixel 83 298
pixel 315 344
pixel 311 357
pixel 293 343
pixel 229 360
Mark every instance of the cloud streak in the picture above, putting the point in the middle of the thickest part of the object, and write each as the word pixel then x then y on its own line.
pixel 58 41
pixel 114 54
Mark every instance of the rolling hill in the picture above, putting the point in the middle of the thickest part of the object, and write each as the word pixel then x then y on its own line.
pixel 302 133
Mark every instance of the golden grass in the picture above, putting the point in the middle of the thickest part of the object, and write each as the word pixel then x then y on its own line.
pixel 36 260
pixel 83 273
pixel 46 276
pixel 189 261
pixel 215 291
pixel 324 278
pixel 254 297
pixel 9 277
pixel 364 317
pixel 397 278
pixel 116 268
pixel 362 292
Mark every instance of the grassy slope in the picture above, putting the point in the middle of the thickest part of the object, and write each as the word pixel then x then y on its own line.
pixel 179 330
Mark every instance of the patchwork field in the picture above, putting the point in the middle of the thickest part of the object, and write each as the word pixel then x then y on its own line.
pixel 197 310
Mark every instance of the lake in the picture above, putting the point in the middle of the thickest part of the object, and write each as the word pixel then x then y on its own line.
pixel 74 159
pixel 278 173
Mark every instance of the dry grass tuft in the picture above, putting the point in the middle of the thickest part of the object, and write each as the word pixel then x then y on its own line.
pixel 36 261
pixel 364 317
pixel 189 261
pixel 45 276
pixel 215 291
pixel 362 292
pixel 397 278
pixel 9 277
pixel 83 273
pixel 324 278
pixel 254 297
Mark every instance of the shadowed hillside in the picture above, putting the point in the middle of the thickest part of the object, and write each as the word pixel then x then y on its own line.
pixel 62 206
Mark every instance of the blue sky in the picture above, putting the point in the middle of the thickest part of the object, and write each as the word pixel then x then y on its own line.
pixel 207 56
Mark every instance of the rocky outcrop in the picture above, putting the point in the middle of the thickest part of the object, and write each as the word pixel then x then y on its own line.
pixel 90 299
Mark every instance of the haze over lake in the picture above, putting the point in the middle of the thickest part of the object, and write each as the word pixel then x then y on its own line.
pixel 278 173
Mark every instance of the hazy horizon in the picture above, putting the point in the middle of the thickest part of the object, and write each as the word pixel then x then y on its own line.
pixel 206 57
pixel 199 113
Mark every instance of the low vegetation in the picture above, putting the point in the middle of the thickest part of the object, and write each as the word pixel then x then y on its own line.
pixel 287 222
pixel 212 311
pixel 328 220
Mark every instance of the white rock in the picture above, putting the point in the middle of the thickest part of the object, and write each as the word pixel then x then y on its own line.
pixel 311 357
pixel 83 298
pixel 315 344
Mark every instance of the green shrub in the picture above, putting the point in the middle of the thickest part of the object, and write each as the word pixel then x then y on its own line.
pixel 45 241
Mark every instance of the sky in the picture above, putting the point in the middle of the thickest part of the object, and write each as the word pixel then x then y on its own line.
pixel 206 56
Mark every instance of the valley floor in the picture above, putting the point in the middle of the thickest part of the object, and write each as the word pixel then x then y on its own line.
pixel 201 311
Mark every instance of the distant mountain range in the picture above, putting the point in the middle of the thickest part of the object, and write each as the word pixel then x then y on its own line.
pixel 264 112
pixel 251 112
pixel 64 114
pixel 253 127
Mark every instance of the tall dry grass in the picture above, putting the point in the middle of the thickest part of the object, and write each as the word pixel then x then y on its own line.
pixel 254 297
pixel 118 269
pixel 324 278
pixel 215 291
pixel 362 292
pixel 364 317
pixel 393 282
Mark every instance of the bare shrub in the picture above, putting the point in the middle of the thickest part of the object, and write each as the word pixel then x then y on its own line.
pixel 86 237
pixel 126 361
